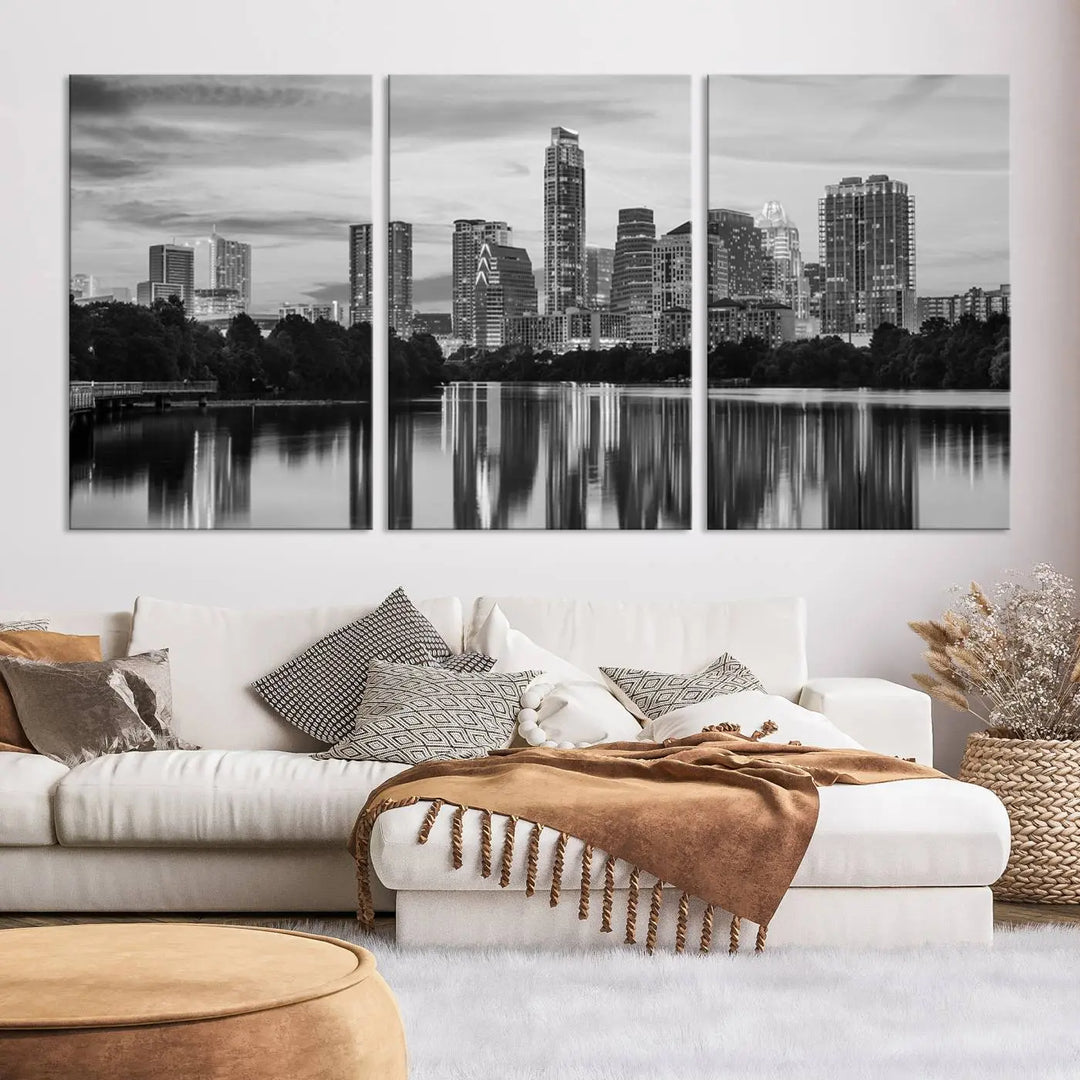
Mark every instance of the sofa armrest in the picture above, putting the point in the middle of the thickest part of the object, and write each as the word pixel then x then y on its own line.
pixel 883 716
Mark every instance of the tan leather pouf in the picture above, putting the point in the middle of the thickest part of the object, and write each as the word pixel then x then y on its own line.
pixel 142 1001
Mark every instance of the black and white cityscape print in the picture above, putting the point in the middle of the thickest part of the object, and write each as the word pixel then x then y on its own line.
pixel 539 276
pixel 859 302
pixel 218 375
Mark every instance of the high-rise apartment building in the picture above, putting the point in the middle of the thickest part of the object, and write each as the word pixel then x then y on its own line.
pixel 360 296
pixel 564 222
pixel 230 267
pixel 746 259
pixel 172 273
pixel 785 279
pixel 815 284
pixel 866 240
pixel 469 237
pixel 673 284
pixel 400 278
pixel 599 267
pixel 505 288
pixel 632 273
pixel 398 271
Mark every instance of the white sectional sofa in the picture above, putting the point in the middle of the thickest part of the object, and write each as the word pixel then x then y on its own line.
pixel 251 823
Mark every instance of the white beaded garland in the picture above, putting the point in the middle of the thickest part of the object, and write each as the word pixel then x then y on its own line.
pixel 532 698
pixel 533 736
pixel 527 717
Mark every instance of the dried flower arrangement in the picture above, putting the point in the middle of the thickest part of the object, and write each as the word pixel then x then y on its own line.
pixel 1010 656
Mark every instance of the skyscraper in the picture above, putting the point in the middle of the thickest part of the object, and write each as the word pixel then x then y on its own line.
pixel 564 222
pixel 230 267
pixel 399 275
pixel 632 273
pixel 505 288
pixel 785 278
pixel 746 261
pixel 469 237
pixel 599 267
pixel 360 298
pixel 172 273
pixel 866 241
pixel 673 283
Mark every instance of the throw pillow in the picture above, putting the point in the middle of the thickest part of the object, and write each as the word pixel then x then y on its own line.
pixel 77 711
pixel 412 714
pixel 36 645
pixel 650 694
pixel 467 663
pixel 15 625
pixel 565 705
pixel 750 709
pixel 320 690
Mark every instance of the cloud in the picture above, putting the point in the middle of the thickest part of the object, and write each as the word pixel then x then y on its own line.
pixel 514 168
pixel 120 95
pixel 466 108
pixel 87 166
pixel 328 291
pixel 434 289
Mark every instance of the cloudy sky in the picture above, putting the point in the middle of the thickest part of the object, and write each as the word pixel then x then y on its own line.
pixel 282 163
pixel 473 146
pixel 948 136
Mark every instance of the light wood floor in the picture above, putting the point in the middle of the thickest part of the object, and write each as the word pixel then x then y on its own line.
pixel 1005 914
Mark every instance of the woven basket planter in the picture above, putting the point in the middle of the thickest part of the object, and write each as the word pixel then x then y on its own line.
pixel 1038 780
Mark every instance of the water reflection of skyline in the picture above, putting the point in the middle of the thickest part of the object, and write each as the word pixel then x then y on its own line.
pixel 838 461
pixel 555 456
pixel 283 467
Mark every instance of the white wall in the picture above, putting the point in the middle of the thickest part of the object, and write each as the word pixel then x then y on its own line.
pixel 861 587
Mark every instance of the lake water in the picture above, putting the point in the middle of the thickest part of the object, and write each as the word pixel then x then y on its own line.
pixel 269 467
pixel 828 459
pixel 558 456
pixel 541 456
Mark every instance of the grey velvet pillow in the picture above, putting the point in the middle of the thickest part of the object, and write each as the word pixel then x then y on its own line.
pixel 77 711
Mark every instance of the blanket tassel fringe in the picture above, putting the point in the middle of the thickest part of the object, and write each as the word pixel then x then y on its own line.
pixel 365 910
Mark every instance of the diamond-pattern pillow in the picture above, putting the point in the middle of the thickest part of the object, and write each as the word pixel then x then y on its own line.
pixel 320 690
pixel 412 714
pixel 651 694
pixel 20 625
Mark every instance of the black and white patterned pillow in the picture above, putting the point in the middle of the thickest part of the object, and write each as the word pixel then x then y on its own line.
pixel 468 663
pixel 651 694
pixel 19 625
pixel 320 690
pixel 412 714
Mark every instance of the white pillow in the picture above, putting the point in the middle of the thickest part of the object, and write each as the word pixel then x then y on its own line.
pixel 568 706
pixel 750 709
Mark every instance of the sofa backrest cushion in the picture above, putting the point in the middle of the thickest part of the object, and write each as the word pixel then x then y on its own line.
pixel 215 654
pixel 768 636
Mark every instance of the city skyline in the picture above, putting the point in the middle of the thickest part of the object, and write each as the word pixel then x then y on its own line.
pixel 279 162
pixel 485 138
pixel 786 138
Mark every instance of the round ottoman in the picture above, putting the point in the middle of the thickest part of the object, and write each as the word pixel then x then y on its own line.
pixel 147 1000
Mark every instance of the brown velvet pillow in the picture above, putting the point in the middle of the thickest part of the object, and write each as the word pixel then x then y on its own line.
pixel 37 645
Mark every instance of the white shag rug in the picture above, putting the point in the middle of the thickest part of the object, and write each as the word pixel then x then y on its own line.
pixel 1010 1012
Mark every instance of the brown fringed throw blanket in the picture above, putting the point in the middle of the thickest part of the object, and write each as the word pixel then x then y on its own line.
pixel 719 816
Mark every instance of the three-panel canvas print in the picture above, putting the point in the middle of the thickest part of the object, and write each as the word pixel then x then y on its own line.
pixel 846 294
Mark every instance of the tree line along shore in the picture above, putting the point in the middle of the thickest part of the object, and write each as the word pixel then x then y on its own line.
pixel 300 360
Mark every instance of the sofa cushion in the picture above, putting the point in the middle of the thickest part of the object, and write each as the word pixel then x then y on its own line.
pixel 231 798
pixel 26 787
pixel 216 653
pixel 905 833
pixel 768 636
